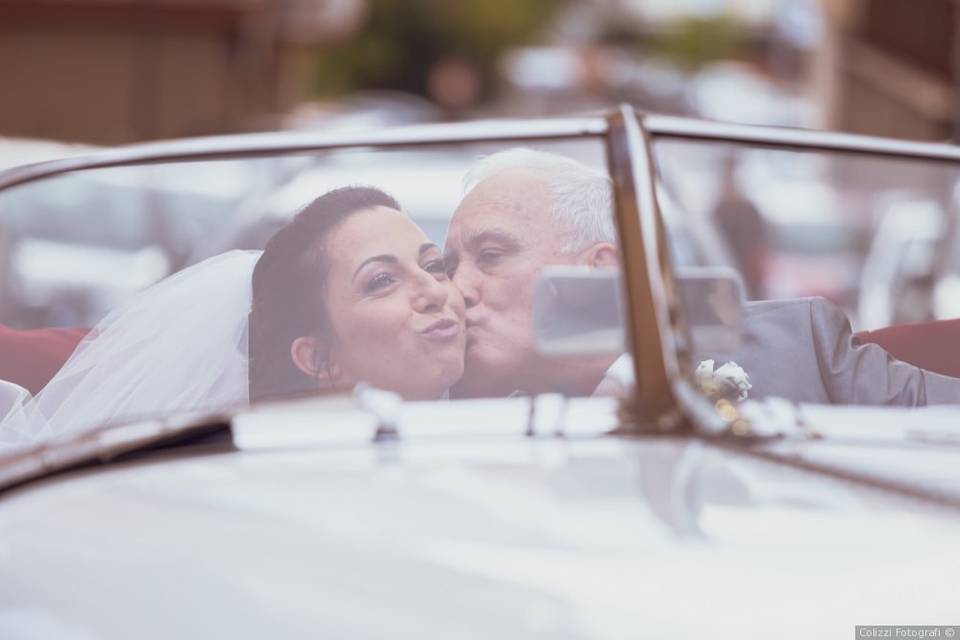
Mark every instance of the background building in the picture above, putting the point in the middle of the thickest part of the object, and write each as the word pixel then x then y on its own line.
pixel 888 67
pixel 112 71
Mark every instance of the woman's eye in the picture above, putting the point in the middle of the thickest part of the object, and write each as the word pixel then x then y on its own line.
pixel 436 267
pixel 380 281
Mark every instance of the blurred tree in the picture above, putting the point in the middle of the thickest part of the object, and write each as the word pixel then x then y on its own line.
pixel 696 40
pixel 446 50
pixel 688 42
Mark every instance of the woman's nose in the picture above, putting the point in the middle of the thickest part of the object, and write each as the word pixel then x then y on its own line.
pixel 431 295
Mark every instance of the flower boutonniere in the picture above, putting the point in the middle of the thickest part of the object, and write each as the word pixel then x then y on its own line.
pixel 729 382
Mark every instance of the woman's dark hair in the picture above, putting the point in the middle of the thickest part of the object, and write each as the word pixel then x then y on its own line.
pixel 289 282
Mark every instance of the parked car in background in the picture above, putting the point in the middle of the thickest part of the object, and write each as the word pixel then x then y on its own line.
pixel 664 512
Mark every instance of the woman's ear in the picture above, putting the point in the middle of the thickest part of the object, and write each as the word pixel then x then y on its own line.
pixel 312 358
pixel 601 254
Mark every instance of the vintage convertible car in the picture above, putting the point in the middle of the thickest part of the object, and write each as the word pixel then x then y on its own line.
pixel 666 512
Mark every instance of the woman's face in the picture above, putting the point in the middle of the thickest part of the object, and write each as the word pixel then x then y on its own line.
pixel 397 320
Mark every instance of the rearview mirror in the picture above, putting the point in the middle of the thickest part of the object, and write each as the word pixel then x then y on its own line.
pixel 579 310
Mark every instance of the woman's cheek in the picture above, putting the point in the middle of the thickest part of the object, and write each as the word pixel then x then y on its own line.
pixel 383 319
pixel 369 333
pixel 364 326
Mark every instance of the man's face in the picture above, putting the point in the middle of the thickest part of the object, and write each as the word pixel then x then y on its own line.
pixel 501 236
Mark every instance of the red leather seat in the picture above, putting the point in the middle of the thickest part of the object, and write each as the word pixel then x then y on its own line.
pixel 31 358
pixel 934 346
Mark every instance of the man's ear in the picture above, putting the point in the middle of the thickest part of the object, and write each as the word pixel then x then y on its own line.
pixel 313 358
pixel 602 254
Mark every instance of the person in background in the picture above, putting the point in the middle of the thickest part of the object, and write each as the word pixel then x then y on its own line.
pixel 744 229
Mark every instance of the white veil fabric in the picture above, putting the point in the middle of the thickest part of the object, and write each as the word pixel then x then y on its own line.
pixel 179 345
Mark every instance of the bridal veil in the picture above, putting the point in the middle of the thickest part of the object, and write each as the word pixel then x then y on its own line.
pixel 179 345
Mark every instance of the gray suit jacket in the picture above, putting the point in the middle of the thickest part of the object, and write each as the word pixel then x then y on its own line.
pixel 804 350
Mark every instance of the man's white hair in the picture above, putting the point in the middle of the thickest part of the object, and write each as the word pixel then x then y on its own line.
pixel 581 197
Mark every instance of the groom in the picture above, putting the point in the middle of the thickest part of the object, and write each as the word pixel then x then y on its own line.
pixel 525 210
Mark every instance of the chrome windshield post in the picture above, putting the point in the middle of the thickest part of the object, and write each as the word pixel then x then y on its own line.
pixel 664 400
pixel 654 403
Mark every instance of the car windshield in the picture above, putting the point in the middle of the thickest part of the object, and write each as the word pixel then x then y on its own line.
pixel 848 262
pixel 149 289
pixel 447 271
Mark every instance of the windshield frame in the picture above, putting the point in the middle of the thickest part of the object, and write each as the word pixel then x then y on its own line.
pixel 245 145
pixel 655 329
pixel 675 128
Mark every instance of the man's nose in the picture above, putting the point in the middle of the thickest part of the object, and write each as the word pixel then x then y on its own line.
pixel 467 280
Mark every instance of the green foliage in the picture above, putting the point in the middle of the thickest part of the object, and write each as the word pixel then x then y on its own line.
pixel 403 39
pixel 694 41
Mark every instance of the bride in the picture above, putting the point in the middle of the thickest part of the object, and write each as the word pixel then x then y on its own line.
pixel 350 290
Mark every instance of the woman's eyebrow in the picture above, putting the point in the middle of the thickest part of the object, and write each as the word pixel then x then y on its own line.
pixel 383 257
pixel 426 246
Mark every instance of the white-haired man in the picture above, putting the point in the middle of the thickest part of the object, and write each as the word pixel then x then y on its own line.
pixel 524 210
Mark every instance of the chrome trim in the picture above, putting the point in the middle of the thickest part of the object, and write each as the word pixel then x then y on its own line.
pixel 294 424
pixel 254 144
pixel 653 406
pixel 835 471
pixel 673 332
pixel 31 462
pixel 691 129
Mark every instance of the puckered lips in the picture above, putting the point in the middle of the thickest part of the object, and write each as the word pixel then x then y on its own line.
pixel 442 329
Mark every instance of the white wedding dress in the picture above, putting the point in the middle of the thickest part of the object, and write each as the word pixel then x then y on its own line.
pixel 179 345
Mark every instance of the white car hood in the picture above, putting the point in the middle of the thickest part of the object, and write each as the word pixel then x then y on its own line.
pixel 484 538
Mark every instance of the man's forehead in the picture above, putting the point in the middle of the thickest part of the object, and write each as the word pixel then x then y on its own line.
pixel 513 191
pixel 470 229
pixel 510 202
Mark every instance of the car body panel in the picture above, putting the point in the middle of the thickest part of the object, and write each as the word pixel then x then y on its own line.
pixel 472 537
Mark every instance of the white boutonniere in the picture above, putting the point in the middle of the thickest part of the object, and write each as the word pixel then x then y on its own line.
pixel 729 382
